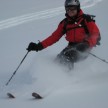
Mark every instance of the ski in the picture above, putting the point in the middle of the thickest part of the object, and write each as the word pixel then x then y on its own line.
pixel 10 95
pixel 36 96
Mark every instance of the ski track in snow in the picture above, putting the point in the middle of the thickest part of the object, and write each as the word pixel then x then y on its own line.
pixel 11 22
pixel 83 88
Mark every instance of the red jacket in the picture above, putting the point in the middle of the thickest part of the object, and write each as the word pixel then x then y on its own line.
pixel 76 35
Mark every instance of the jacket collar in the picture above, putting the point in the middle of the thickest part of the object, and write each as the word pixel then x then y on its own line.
pixel 80 13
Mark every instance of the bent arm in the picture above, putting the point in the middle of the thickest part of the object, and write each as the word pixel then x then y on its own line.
pixel 94 34
pixel 54 37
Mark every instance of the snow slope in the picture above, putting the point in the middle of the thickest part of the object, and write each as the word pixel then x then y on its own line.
pixel 85 87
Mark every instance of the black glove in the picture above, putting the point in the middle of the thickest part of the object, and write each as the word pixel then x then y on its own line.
pixel 35 47
pixel 82 46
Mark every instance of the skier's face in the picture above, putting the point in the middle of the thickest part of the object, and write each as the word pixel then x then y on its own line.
pixel 71 11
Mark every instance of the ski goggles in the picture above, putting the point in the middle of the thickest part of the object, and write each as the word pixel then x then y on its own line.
pixel 71 8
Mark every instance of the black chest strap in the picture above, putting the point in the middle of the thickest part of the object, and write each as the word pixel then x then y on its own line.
pixel 82 24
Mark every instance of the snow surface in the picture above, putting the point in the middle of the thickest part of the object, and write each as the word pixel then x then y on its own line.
pixel 30 20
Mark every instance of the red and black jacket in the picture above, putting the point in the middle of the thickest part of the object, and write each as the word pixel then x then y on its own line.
pixel 76 35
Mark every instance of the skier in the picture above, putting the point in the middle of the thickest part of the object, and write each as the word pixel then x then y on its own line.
pixel 81 33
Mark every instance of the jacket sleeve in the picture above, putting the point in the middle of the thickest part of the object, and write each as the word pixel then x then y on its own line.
pixel 54 37
pixel 94 33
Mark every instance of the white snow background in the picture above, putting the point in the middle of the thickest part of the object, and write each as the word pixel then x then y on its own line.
pixel 24 21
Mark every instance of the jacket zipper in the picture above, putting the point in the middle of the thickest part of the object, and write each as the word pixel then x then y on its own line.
pixel 74 35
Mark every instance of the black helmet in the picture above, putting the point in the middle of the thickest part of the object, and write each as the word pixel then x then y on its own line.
pixel 72 3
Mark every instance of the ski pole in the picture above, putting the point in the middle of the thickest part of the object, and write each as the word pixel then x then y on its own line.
pixel 17 69
pixel 98 58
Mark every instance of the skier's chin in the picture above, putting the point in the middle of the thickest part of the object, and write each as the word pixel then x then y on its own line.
pixel 72 15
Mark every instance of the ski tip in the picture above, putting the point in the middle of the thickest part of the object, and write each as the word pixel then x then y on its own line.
pixel 36 95
pixel 10 95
